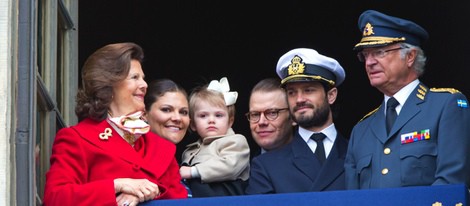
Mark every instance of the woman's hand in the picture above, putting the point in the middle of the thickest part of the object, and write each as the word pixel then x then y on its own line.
pixel 141 188
pixel 124 199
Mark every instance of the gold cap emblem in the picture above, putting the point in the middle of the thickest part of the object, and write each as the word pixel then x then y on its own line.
pixel 368 30
pixel 296 66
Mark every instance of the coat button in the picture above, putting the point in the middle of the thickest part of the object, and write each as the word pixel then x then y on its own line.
pixel 387 151
pixel 136 167
pixel 384 171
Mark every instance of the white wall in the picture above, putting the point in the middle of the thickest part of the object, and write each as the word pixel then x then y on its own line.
pixel 5 100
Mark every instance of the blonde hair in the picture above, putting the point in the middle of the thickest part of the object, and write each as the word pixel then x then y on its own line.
pixel 214 98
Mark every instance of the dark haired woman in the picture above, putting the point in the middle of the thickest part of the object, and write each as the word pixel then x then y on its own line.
pixel 110 157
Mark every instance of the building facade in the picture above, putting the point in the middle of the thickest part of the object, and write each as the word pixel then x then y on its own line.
pixel 38 81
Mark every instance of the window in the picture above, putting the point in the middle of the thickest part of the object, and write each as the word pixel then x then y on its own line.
pixel 57 79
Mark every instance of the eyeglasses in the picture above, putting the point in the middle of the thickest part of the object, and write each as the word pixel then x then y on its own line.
pixel 377 54
pixel 270 114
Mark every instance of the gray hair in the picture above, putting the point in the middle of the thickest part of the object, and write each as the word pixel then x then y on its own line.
pixel 420 61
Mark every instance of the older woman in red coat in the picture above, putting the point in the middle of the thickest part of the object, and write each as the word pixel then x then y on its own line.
pixel 110 157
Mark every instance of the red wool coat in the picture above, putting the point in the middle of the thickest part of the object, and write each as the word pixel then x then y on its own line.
pixel 83 166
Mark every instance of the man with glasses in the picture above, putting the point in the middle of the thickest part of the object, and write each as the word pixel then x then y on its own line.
pixel 314 159
pixel 269 118
pixel 418 136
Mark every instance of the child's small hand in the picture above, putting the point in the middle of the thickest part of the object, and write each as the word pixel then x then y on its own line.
pixel 185 172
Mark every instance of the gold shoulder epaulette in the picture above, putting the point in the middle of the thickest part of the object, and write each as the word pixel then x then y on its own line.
pixel 450 90
pixel 370 113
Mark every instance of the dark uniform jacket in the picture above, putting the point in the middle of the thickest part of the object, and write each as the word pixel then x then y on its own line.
pixel 429 144
pixel 295 168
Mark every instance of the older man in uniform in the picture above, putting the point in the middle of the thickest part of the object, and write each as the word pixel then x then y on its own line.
pixel 418 135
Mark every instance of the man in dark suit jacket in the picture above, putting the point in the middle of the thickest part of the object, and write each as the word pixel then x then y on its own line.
pixel 428 143
pixel 310 80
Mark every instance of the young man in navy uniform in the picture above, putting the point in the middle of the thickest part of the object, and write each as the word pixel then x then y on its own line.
pixel 314 159
pixel 419 135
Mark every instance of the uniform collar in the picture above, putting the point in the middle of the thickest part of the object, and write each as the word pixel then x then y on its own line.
pixel 329 131
pixel 402 95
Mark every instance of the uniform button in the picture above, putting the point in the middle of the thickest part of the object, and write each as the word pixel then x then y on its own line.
pixel 387 151
pixel 384 171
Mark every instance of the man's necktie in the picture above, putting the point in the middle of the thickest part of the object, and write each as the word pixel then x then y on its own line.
pixel 320 151
pixel 391 114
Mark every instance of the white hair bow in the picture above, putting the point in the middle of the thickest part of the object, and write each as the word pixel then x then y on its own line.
pixel 223 87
